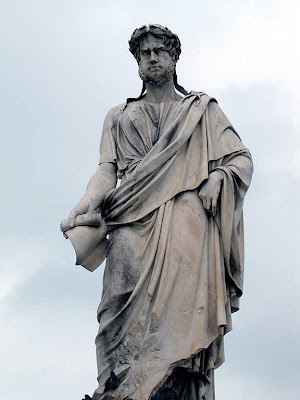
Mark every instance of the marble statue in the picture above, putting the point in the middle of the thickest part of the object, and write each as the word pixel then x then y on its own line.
pixel 171 233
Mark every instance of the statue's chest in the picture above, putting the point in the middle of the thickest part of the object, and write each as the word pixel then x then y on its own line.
pixel 142 125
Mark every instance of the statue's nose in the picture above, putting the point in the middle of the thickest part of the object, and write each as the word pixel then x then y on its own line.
pixel 153 57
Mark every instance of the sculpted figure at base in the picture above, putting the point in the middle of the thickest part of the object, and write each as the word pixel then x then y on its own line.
pixel 174 251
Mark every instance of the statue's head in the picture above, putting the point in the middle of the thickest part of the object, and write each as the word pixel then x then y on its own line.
pixel 170 40
pixel 156 50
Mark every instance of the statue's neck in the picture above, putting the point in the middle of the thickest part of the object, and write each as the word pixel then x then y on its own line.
pixel 163 93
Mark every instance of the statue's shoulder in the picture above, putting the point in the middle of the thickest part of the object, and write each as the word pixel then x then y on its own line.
pixel 215 110
pixel 217 119
pixel 114 112
pixel 210 101
pixel 213 107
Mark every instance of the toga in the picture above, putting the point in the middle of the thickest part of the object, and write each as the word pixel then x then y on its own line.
pixel 174 272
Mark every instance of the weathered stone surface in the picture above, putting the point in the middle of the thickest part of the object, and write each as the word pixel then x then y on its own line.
pixel 174 271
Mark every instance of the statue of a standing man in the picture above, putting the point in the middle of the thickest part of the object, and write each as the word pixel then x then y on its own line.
pixel 174 270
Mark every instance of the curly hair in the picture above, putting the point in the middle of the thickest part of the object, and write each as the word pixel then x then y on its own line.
pixel 170 40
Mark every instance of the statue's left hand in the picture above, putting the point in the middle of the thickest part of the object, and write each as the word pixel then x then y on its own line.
pixel 210 190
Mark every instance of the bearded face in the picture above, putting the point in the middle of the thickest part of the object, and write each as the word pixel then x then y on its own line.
pixel 156 66
pixel 154 82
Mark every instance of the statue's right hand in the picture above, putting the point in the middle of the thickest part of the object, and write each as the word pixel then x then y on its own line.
pixel 85 206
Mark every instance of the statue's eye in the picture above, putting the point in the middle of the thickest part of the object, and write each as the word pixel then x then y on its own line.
pixel 160 51
pixel 145 53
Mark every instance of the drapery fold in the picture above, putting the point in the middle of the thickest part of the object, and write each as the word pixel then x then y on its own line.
pixel 174 272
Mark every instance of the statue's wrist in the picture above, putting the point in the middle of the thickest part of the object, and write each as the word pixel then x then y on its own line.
pixel 216 175
pixel 89 203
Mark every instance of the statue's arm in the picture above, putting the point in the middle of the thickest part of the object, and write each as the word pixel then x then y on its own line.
pixel 239 165
pixel 103 180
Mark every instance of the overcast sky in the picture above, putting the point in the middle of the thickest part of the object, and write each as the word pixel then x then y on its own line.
pixel 64 64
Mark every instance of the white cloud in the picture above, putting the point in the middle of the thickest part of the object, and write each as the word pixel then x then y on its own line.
pixel 252 45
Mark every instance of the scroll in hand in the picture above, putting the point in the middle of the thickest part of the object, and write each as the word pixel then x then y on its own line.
pixel 88 238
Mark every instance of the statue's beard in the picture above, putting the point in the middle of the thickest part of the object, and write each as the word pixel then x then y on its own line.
pixel 165 78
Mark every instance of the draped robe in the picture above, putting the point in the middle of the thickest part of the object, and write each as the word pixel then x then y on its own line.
pixel 174 272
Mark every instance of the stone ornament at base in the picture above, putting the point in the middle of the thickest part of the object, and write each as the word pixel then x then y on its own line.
pixel 164 394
